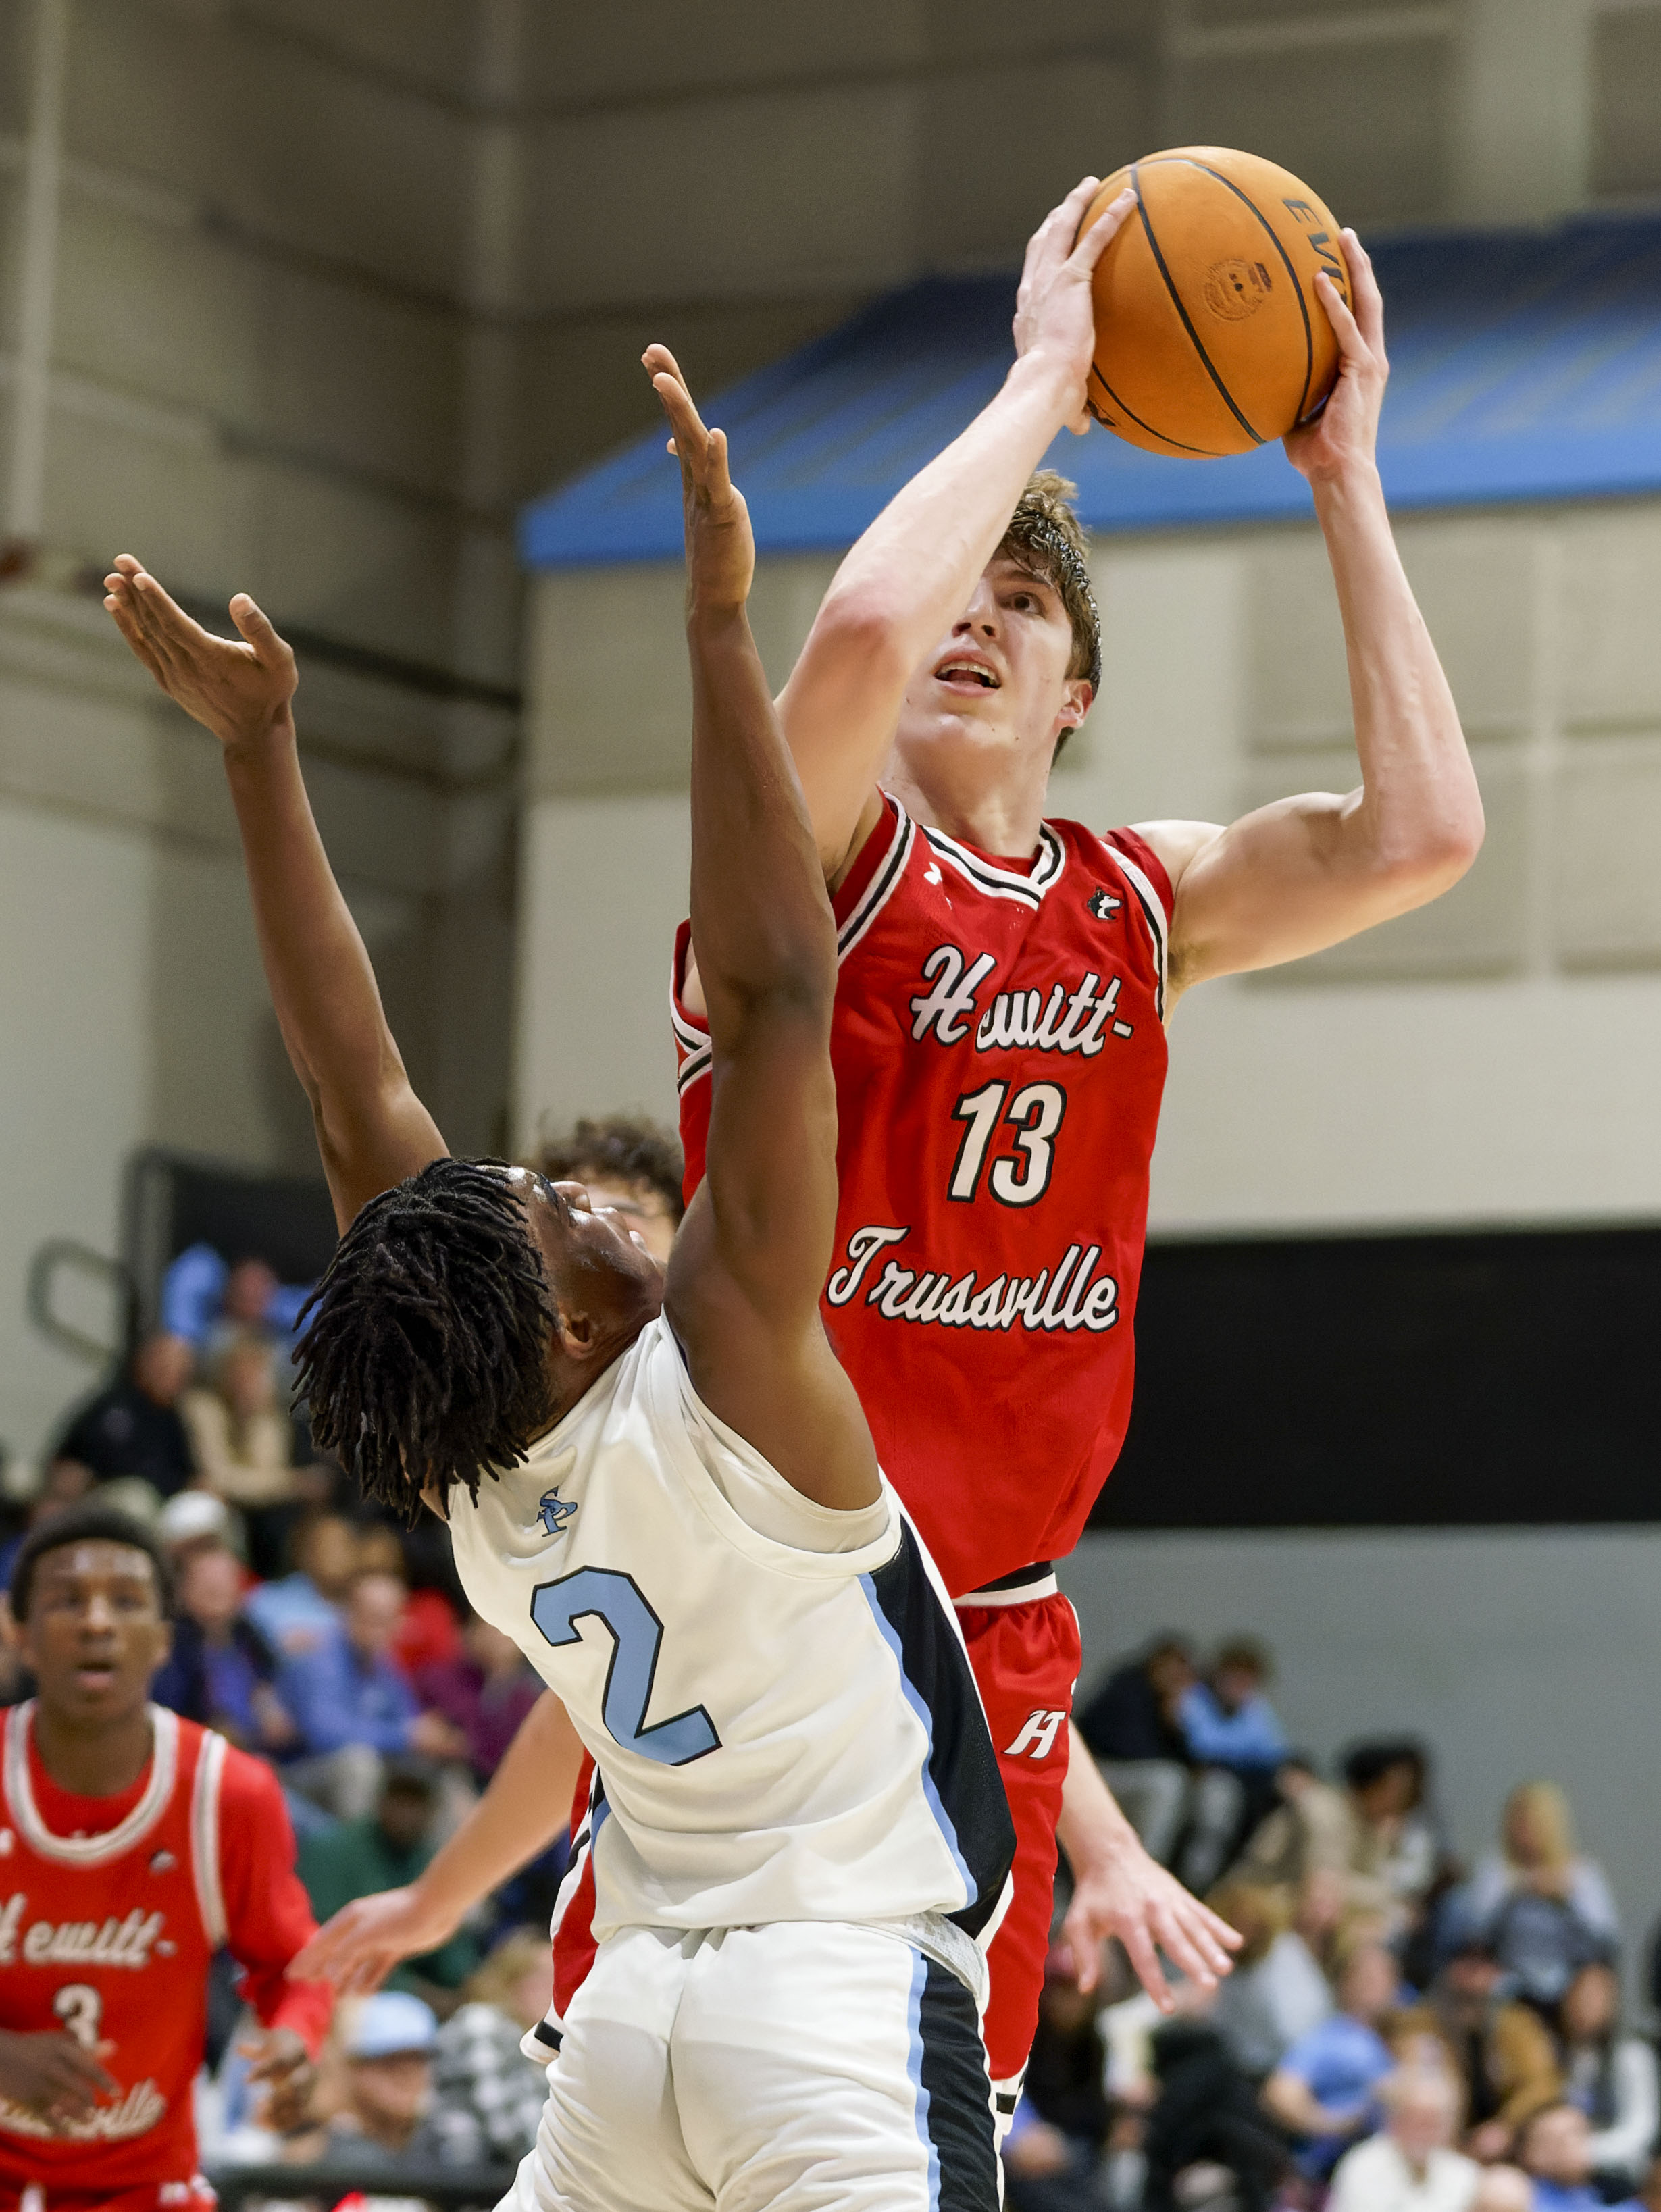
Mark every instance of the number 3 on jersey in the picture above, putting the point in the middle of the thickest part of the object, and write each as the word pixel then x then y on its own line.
pixel 615 1601
pixel 1034 1114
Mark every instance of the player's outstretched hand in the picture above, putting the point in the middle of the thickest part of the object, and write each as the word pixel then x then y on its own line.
pixel 52 2075
pixel 1345 434
pixel 720 551
pixel 1054 312
pixel 280 2064
pixel 359 1947
pixel 239 690
pixel 1135 1898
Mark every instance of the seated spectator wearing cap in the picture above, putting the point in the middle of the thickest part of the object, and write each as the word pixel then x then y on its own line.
pixel 386 1849
pixel 1277 1992
pixel 1554 2148
pixel 628 1163
pixel 484 1692
pixel 1322 2090
pixel 1411 2167
pixel 1611 2078
pixel 1499 2050
pixel 483 2082
pixel 1545 1908
pixel 1131 1726
pixel 391 2123
pixel 221 1670
pixel 352 1705
pixel 134 1428
pixel 1234 1737
pixel 303 1609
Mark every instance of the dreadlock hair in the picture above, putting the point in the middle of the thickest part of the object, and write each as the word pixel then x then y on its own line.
pixel 1047 539
pixel 425 1359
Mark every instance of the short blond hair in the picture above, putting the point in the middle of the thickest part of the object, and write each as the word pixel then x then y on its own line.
pixel 1046 538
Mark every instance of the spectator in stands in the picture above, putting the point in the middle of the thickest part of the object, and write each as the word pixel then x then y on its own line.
pixel 1554 2148
pixel 1502 2189
pixel 243 1444
pixel 1394 1852
pixel 1132 1727
pixel 1276 1993
pixel 387 1849
pixel 1498 2048
pixel 1323 2090
pixel 353 1707
pixel 302 1610
pixel 134 1428
pixel 221 1670
pixel 1412 2165
pixel 1235 1739
pixel 1205 2112
pixel 1052 2155
pixel 1611 2078
pixel 628 1163
pixel 484 1692
pixel 1546 1910
pixel 1309 1833
pixel 391 2124
pixel 206 1301
pixel 428 1632
pixel 483 2082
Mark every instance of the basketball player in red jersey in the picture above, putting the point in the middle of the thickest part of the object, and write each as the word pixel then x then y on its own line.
pixel 132 1845
pixel 999 1052
pixel 1000 1036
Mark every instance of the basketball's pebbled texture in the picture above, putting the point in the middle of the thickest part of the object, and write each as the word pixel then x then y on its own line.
pixel 1209 336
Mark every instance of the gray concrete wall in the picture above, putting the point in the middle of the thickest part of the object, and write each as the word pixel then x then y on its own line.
pixel 1513 1653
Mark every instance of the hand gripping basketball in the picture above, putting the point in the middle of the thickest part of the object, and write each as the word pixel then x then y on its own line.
pixel 1345 434
pixel 720 550
pixel 1054 314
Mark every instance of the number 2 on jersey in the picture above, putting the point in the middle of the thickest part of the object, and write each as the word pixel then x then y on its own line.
pixel 615 1601
pixel 1035 1113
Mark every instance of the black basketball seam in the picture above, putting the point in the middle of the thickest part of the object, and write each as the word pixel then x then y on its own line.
pixel 1175 301
pixel 1297 288
pixel 1200 453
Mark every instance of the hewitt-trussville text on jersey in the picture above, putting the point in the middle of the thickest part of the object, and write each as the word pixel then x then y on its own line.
pixel 999 1054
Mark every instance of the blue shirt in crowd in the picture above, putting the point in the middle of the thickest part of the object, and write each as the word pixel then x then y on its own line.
pixel 1250 1737
pixel 1340 2062
pixel 1557 2197
pixel 338 1697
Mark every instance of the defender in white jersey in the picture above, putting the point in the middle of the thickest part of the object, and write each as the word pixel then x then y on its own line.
pixel 665 1490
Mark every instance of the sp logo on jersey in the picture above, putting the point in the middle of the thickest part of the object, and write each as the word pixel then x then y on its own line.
pixel 556 1511
pixel 1102 903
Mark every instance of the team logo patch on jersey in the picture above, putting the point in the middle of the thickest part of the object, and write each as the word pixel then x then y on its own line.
pixel 163 1861
pixel 1038 1736
pixel 556 1511
pixel 1103 904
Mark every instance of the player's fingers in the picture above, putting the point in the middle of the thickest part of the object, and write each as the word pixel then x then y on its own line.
pixel 658 359
pixel 257 630
pixel 718 475
pixel 164 617
pixel 1352 346
pixel 1145 1959
pixel 1095 241
pixel 1364 289
pixel 119 607
pixel 1229 1938
pixel 1179 1947
pixel 690 436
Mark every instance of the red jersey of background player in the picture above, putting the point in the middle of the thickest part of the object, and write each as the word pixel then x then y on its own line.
pixel 1000 1054
pixel 110 1910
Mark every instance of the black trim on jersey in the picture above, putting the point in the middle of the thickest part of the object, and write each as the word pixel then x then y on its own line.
pixel 962 1765
pixel 879 891
pixel 958 2121
pixel 1034 1573
pixel 1005 882
pixel 549 2038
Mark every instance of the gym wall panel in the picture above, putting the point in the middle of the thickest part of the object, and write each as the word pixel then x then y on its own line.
pixel 1477 586
pixel 1606 835
pixel 349 559
pixel 610 698
pixel 1297 676
pixel 150 482
pixel 604 883
pixel 1611 640
pixel 1626 149
pixel 421 42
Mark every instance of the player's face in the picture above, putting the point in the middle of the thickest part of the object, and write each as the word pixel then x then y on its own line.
pixel 640 1209
pixel 594 1259
pixel 96 1632
pixel 998 681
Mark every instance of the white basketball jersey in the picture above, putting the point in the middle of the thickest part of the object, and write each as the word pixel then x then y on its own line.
pixel 783 1730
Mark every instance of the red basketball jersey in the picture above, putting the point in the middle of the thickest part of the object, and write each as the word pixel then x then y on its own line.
pixel 108 1935
pixel 999 1054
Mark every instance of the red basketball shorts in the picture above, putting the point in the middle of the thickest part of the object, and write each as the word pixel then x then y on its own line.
pixel 1026 1657
pixel 1026 1654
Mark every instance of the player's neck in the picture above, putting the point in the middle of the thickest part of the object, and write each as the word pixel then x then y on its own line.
pixel 993 803
pixel 94 1758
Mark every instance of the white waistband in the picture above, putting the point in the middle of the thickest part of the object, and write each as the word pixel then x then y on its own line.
pixel 1021 1593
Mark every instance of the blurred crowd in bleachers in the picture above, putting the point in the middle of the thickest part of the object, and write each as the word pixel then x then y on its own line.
pixel 1403 2032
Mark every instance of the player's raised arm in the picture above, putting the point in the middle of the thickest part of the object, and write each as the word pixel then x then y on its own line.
pixel 752 1255
pixel 1307 871
pixel 372 1130
pixel 912 574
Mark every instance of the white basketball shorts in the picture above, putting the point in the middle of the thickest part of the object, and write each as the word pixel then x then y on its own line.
pixel 801 2067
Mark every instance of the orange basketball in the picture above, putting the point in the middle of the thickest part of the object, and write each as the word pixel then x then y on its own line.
pixel 1209 335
